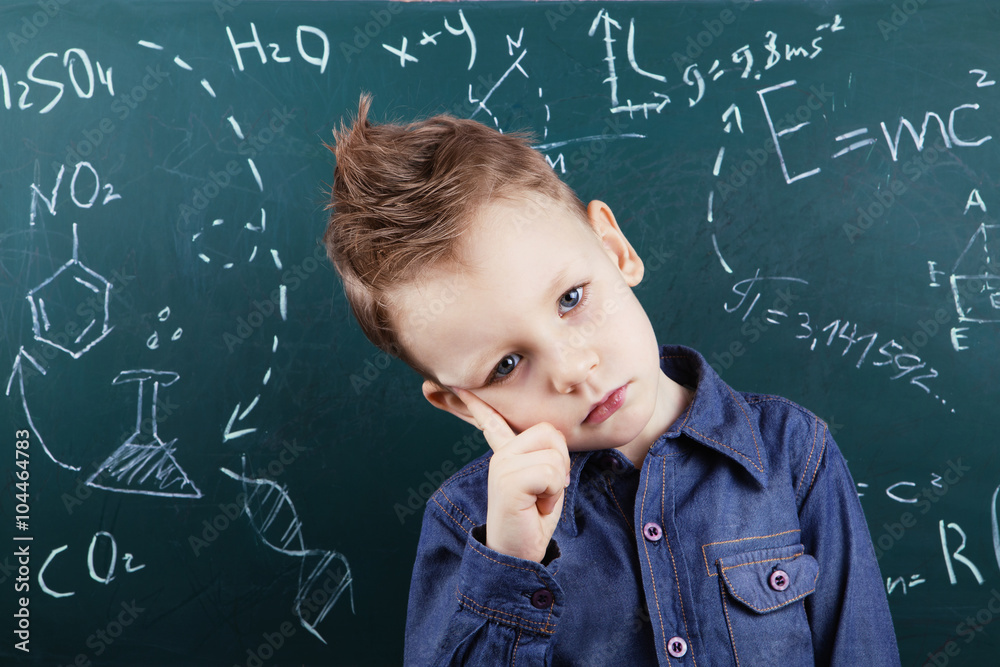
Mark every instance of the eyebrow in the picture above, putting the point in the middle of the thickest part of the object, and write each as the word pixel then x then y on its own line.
pixel 490 357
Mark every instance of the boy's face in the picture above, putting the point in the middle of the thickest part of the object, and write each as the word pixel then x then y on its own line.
pixel 538 320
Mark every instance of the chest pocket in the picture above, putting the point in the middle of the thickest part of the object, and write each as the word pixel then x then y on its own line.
pixel 762 596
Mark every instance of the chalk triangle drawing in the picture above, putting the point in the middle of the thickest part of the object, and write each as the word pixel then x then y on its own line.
pixel 975 280
pixel 144 463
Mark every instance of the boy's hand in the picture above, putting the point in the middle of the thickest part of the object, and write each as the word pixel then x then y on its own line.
pixel 528 474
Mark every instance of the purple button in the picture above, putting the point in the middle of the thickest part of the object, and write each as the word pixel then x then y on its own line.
pixel 541 599
pixel 779 580
pixel 611 463
pixel 652 531
pixel 677 647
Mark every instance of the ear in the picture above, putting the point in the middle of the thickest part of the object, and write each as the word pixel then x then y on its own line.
pixel 617 246
pixel 445 400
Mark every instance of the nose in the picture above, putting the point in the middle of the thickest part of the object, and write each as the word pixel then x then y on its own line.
pixel 571 366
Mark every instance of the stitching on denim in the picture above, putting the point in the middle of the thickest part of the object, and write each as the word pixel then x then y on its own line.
pixel 499 614
pixel 729 622
pixel 663 488
pixel 750 425
pixel 457 509
pixel 552 606
pixel 465 473
pixel 704 555
pixel 487 557
pixel 514 619
pixel 517 641
pixel 805 469
pixel 818 459
pixel 768 560
pixel 764 398
pixel 673 564
pixel 441 492
pixel 786 602
pixel 795 555
pixel 614 498
pixel 447 514
pixel 749 460
pixel 649 563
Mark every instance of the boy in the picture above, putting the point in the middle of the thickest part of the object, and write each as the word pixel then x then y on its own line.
pixel 634 509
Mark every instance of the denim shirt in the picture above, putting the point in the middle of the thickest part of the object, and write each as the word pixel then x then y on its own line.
pixel 740 541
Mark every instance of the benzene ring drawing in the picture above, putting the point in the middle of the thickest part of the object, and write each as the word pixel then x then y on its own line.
pixel 53 306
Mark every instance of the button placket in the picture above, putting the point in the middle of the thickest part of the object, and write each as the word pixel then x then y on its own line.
pixel 655 518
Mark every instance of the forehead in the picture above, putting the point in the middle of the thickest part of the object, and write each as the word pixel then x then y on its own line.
pixel 513 260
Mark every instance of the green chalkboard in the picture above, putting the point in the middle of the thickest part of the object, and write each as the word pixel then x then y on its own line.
pixel 812 186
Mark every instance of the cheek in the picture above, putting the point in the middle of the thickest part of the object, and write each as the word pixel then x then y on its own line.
pixel 628 325
pixel 527 410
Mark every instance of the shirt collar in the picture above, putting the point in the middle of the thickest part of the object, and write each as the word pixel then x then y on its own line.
pixel 717 417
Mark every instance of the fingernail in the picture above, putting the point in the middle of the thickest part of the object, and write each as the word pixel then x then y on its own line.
pixel 567 479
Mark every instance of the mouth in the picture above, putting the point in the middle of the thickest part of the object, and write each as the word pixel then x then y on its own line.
pixel 607 406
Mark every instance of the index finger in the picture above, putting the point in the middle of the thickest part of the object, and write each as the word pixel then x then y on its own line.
pixel 496 429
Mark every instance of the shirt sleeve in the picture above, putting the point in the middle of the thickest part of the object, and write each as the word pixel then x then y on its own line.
pixel 848 612
pixel 470 605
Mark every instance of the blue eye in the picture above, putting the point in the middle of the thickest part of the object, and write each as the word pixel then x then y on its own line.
pixel 507 364
pixel 570 300
pixel 504 368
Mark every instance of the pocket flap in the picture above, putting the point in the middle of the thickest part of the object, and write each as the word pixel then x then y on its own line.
pixel 769 579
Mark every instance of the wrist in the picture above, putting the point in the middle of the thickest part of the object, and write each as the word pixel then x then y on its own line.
pixel 539 553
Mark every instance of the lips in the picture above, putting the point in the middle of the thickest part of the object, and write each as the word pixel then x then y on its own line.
pixel 607 407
